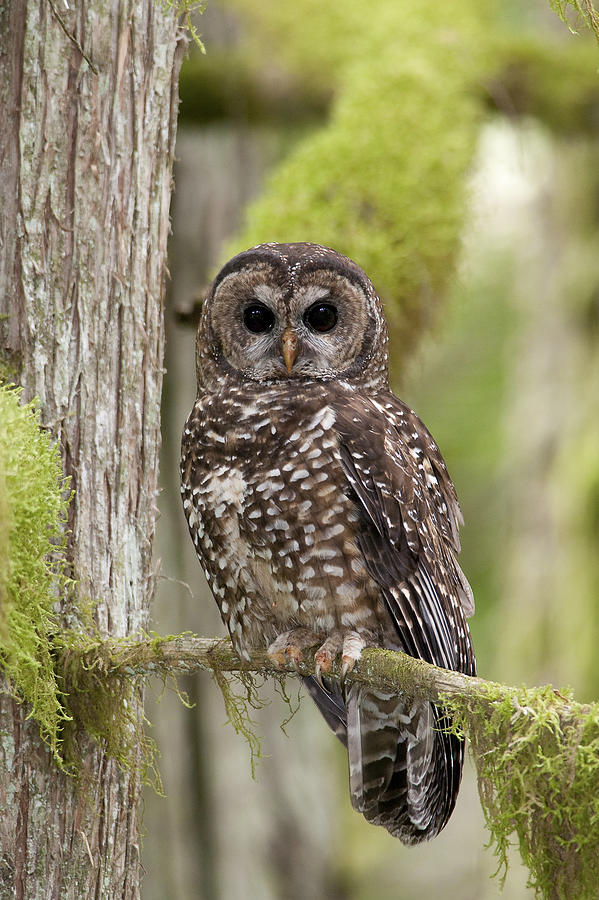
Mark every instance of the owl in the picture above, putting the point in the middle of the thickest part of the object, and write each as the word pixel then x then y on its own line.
pixel 323 514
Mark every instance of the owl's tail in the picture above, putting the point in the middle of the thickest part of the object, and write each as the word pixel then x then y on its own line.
pixel 404 768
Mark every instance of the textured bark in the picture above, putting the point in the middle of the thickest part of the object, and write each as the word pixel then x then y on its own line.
pixel 89 100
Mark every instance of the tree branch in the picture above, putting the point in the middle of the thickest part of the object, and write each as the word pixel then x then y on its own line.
pixel 381 669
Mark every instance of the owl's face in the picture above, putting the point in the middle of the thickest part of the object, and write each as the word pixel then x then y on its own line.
pixel 288 311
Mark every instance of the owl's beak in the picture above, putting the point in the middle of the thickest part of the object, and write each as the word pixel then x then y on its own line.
pixel 290 348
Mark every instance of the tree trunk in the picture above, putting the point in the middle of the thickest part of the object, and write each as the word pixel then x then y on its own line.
pixel 88 93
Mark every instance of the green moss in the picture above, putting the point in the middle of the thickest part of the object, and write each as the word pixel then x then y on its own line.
pixel 537 756
pixel 33 503
pixel 104 701
pixel 241 697
pixel 66 678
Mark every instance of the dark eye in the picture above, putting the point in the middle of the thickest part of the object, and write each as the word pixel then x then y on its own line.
pixel 321 316
pixel 258 318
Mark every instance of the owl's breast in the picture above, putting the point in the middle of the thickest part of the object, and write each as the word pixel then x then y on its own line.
pixel 278 525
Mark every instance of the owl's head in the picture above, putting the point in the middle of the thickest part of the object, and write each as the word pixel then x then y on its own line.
pixel 288 311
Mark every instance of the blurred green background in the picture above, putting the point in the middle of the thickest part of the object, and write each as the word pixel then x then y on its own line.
pixel 452 151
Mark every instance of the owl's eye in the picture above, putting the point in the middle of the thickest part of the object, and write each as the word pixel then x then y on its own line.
pixel 258 318
pixel 321 316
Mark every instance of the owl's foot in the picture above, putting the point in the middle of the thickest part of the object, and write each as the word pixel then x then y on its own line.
pixel 349 643
pixel 289 647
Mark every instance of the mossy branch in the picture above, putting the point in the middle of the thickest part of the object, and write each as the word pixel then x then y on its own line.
pixel 536 749
pixel 185 653
pixel 379 669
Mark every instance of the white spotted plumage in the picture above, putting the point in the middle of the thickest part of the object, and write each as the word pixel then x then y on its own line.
pixel 322 512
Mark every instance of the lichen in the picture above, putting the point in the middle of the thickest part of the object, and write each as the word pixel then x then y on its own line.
pixel 292 700
pixel 537 756
pixel 34 496
pixel 241 696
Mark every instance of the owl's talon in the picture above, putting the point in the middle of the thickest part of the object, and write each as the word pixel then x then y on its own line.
pixel 287 649
pixel 295 656
pixel 318 677
pixel 347 664
pixel 349 644
pixel 325 657
pixel 323 662
pixel 284 658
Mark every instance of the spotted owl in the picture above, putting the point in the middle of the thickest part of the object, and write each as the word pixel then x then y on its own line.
pixel 323 515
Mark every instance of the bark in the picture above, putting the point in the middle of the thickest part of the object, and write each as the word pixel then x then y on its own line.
pixel 89 99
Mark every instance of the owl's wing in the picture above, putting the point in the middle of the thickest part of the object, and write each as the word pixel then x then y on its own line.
pixel 408 533
pixel 405 769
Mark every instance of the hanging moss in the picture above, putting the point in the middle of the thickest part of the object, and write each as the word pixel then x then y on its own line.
pixel 240 696
pixel 103 699
pixel 583 9
pixel 33 503
pixel 537 756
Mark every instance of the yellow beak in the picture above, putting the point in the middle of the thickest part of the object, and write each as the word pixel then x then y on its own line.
pixel 290 348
